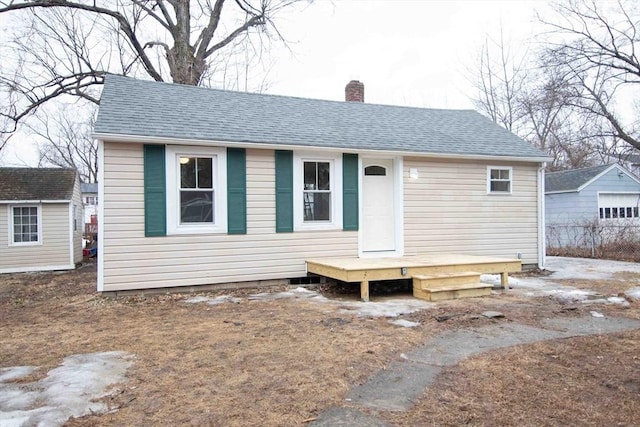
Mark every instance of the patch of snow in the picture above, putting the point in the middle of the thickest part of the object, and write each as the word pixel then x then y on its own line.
pixel 297 293
pixel 404 323
pixel 222 299
pixel 15 372
pixel 69 390
pixel 633 293
pixel 618 300
pixel 570 294
pixel 496 280
pixel 213 301
pixel 196 300
pixel 385 308
pixel 587 268
pixel 597 314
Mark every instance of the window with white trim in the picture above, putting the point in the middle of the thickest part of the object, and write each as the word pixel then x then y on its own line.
pixel 317 192
pixel 25 223
pixel 499 180
pixel 196 190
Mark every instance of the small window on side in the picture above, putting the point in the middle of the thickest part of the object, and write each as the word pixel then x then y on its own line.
pixel 499 180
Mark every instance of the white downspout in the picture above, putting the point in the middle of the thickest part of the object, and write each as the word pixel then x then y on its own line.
pixel 541 218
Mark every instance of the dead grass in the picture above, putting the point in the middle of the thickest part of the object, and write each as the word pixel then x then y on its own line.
pixel 587 381
pixel 282 362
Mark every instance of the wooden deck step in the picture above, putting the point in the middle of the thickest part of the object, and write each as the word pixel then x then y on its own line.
pixel 450 286
pixel 470 290
pixel 445 279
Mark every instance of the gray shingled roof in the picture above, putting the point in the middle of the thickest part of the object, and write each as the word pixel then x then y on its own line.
pixel 36 183
pixel 89 187
pixel 571 180
pixel 139 108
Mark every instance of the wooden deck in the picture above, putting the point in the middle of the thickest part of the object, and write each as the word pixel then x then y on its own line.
pixel 364 270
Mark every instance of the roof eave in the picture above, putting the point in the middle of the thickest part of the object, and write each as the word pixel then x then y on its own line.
pixel 26 201
pixel 561 191
pixel 271 146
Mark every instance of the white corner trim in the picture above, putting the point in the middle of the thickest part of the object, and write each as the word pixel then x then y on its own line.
pixel 542 235
pixel 101 200
pixel 71 234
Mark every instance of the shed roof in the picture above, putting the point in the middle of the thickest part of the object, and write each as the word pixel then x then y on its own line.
pixel 89 187
pixel 36 184
pixel 572 180
pixel 153 110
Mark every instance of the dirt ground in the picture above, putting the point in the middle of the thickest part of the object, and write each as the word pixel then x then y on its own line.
pixel 282 362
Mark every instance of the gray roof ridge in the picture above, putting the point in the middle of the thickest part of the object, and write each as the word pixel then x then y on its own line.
pixel 302 98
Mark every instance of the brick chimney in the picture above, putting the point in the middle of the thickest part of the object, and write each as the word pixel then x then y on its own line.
pixel 354 91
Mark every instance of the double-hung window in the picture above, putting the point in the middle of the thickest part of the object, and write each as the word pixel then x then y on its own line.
pixel 317 191
pixel 25 225
pixel 499 180
pixel 317 197
pixel 196 190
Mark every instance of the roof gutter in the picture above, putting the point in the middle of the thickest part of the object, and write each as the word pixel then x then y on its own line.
pixel 181 141
pixel 32 201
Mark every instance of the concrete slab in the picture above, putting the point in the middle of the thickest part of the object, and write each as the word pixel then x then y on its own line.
pixel 394 388
pixel 347 417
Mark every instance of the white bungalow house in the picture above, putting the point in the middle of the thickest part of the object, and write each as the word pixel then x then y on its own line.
pixel 201 186
pixel 40 219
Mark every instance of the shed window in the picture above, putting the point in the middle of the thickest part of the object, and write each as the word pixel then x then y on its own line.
pixel 25 225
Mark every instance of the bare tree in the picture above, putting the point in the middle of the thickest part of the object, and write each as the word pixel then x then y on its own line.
pixel 597 57
pixel 67 142
pixel 499 80
pixel 65 47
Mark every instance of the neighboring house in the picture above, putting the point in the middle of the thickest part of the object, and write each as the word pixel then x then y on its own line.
pixel 629 161
pixel 89 201
pixel 40 219
pixel 581 198
pixel 201 186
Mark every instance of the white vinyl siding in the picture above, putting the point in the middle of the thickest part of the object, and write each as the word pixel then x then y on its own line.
pixel 77 235
pixel 132 261
pixel 53 253
pixel 447 209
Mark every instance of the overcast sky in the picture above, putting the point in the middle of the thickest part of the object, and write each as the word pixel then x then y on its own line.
pixel 406 52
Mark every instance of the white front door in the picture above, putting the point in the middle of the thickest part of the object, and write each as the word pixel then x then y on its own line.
pixel 378 210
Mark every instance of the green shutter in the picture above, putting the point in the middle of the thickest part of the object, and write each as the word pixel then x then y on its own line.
pixel 284 191
pixel 155 193
pixel 349 191
pixel 236 191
